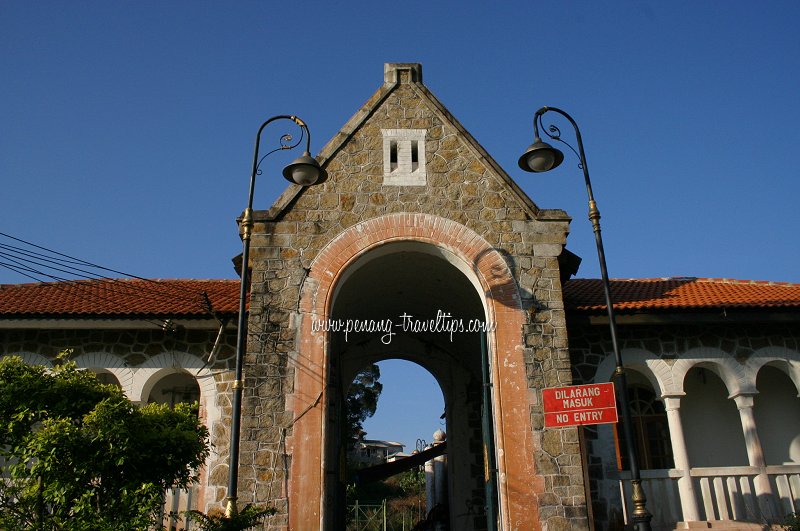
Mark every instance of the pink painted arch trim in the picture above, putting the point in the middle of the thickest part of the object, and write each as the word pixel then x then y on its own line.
pixel 518 484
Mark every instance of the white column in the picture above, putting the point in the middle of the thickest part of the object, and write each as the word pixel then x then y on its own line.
pixel 755 453
pixel 681 458
pixel 430 487
pixel 440 471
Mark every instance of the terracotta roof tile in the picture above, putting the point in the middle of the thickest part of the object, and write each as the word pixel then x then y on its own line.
pixel 119 297
pixel 681 293
pixel 184 298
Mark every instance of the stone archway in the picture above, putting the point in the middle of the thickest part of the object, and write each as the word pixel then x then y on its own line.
pixel 407 285
pixel 497 296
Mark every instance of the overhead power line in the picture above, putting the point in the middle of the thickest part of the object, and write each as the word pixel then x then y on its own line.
pixel 42 264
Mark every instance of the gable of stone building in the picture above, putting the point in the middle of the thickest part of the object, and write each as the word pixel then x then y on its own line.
pixel 465 205
pixel 461 181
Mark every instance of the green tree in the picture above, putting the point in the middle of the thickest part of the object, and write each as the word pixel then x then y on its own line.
pixel 413 481
pixel 76 454
pixel 362 401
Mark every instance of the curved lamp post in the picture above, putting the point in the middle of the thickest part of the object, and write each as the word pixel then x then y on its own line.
pixel 304 171
pixel 540 157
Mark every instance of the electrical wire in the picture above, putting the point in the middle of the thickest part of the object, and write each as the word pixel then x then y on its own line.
pixel 44 261
pixel 74 260
pixel 114 286
pixel 51 264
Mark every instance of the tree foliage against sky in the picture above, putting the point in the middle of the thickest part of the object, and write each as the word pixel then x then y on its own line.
pixel 78 455
pixel 362 400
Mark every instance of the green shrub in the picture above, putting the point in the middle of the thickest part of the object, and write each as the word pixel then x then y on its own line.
pixel 248 517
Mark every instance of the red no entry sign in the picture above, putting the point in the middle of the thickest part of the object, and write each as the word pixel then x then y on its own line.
pixel 575 405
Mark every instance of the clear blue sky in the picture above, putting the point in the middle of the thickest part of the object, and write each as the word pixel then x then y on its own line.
pixel 126 128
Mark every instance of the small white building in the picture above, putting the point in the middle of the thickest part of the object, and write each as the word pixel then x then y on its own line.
pixel 368 452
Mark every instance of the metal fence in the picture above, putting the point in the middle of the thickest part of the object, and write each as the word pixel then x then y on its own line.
pixel 382 517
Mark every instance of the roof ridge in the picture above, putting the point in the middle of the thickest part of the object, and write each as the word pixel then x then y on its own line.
pixel 366 111
pixel 120 279
pixel 705 280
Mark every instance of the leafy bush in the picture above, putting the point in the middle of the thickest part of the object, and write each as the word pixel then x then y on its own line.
pixel 76 454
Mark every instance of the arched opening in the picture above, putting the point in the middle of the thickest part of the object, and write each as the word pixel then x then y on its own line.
pixel 650 426
pixel 407 301
pixel 777 412
pixel 411 405
pixel 174 388
pixel 409 411
pixel 706 392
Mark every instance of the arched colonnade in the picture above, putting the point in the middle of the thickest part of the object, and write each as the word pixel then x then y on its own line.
pixel 721 414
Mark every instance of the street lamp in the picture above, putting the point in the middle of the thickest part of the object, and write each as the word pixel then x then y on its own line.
pixel 540 157
pixel 304 171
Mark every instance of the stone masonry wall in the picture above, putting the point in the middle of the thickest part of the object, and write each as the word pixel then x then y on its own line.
pixel 132 346
pixel 462 185
pixel 589 344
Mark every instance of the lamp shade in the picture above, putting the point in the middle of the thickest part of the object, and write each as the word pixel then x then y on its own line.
pixel 540 156
pixel 305 171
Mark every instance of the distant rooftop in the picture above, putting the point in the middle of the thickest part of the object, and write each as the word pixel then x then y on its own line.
pixel 381 444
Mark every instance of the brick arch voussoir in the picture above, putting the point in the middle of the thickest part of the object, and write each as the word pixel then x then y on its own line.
pixel 492 275
pixel 32 358
pixel 159 366
pixel 738 378
pixel 656 371
pixel 786 360
pixel 113 364
pixel 489 266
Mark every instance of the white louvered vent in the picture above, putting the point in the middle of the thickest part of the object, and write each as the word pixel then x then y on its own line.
pixel 404 157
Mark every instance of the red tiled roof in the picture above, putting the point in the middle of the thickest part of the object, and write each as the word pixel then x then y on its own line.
pixel 184 298
pixel 119 297
pixel 684 293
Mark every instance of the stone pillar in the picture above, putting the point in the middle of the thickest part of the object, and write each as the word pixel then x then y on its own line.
pixel 681 458
pixel 755 454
